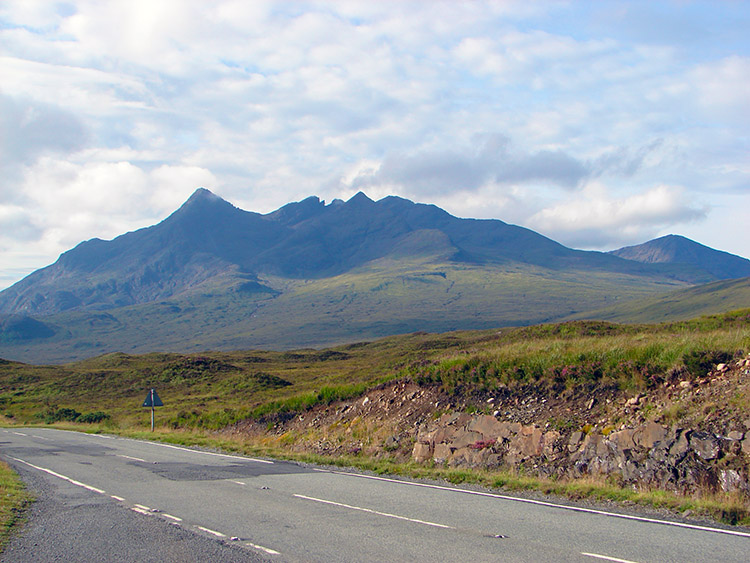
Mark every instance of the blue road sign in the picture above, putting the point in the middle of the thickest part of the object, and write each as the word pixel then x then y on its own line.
pixel 152 400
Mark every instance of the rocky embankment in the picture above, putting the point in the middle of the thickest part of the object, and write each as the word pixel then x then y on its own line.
pixel 649 454
pixel 685 435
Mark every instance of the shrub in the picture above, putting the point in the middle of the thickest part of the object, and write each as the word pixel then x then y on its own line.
pixel 93 417
pixel 61 414
pixel 699 362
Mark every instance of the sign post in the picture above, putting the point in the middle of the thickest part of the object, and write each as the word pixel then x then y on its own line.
pixel 152 400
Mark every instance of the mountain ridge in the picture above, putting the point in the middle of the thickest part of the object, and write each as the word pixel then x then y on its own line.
pixel 215 276
pixel 208 238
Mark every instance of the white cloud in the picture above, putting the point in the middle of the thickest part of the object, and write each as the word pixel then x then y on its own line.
pixel 596 219
pixel 490 160
pixel 138 103
pixel 723 89
pixel 30 129
pixel 68 202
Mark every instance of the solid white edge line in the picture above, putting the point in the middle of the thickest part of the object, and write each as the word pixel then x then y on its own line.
pixel 208 453
pixel 260 547
pixel 85 486
pixel 548 504
pixel 214 532
pixel 60 476
pixel 140 510
pixel 371 511
pixel 268 461
pixel 607 558
pixel 142 507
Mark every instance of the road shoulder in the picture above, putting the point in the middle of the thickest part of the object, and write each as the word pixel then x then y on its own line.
pixel 87 527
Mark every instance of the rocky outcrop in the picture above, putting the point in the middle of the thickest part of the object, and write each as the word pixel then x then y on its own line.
pixel 687 434
pixel 649 454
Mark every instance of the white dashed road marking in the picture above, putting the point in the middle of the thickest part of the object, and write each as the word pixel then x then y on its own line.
pixel 261 548
pixel 131 457
pixel 607 558
pixel 369 510
pixel 214 532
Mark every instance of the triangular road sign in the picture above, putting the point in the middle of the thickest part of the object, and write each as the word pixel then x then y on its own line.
pixel 152 400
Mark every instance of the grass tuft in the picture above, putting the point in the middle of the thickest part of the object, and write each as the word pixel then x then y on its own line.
pixel 14 498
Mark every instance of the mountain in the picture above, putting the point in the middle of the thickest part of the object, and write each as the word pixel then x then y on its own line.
pixel 209 244
pixel 675 249
pixel 212 276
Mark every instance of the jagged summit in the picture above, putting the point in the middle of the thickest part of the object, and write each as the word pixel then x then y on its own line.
pixel 212 276
pixel 202 195
pixel 208 243
pixel 203 201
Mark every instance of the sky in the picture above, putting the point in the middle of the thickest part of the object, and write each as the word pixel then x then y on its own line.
pixel 599 124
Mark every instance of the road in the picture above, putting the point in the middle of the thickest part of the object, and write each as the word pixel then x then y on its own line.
pixel 286 512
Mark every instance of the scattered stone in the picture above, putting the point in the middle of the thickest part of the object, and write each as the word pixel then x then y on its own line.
pixel 746 446
pixel 421 452
pixel 705 445
pixel 649 435
pixel 442 453
pixel 574 440
pixel 736 435
pixel 466 439
pixel 731 481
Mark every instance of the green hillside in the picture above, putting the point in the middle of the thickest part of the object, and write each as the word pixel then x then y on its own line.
pixel 681 304
pixel 214 389
pixel 386 297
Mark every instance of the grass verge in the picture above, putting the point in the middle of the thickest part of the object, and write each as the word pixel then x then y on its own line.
pixel 13 500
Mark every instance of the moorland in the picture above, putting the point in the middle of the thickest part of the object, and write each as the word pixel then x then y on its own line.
pixel 293 403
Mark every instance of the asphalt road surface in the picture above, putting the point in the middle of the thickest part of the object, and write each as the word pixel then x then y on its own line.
pixel 131 491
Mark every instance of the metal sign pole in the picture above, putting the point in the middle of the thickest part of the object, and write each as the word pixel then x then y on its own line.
pixel 152 400
pixel 152 410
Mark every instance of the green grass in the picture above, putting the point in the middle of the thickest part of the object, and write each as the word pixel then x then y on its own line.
pixel 681 304
pixel 214 389
pixel 13 500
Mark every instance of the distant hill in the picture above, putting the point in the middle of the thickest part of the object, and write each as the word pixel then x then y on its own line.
pixel 675 249
pixel 682 304
pixel 212 276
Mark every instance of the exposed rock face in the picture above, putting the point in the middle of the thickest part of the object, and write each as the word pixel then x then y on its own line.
pixel 706 448
pixel 649 454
